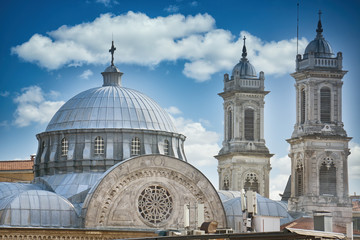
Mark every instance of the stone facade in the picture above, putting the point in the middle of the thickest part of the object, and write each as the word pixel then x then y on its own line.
pixel 160 188
pixel 81 156
pixel 244 160
pixel 319 143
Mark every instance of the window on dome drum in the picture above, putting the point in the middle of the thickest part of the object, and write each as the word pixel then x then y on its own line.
pixel 327 178
pixel 303 106
pixel 99 147
pixel 299 179
pixel 135 146
pixel 64 147
pixel 230 125
pixel 251 182
pixel 249 124
pixel 325 105
pixel 166 147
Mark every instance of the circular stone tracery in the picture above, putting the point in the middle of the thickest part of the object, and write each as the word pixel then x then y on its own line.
pixel 155 204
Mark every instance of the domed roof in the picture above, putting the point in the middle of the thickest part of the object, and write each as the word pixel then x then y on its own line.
pixel 319 46
pixel 244 69
pixel 111 106
pixel 37 208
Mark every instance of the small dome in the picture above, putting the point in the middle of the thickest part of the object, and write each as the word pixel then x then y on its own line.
pixel 244 69
pixel 111 107
pixel 37 208
pixel 319 46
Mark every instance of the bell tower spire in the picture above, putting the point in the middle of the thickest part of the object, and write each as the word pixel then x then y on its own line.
pixel 244 160
pixel 319 143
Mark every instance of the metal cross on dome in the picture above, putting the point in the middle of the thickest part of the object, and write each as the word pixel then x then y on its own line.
pixel 112 50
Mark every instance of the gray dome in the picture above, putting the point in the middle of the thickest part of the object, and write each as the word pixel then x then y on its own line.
pixel 37 208
pixel 111 106
pixel 244 69
pixel 319 46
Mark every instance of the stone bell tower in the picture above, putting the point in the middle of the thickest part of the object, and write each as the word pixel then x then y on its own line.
pixel 319 143
pixel 244 160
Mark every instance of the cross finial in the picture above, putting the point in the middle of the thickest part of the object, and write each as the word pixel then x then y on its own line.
pixel 244 53
pixel 112 50
pixel 319 29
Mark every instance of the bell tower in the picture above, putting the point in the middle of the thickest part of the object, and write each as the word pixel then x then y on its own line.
pixel 244 160
pixel 319 144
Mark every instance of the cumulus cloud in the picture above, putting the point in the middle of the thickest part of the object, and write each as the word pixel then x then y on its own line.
pixel 148 41
pixel 200 145
pixel 86 74
pixel 279 175
pixel 173 110
pixel 354 168
pixel 32 107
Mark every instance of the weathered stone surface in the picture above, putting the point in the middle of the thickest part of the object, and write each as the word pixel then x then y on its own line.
pixel 114 201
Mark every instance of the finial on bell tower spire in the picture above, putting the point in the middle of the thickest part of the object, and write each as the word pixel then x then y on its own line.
pixel 112 50
pixel 244 53
pixel 319 29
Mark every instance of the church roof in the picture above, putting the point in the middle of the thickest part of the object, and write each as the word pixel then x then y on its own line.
pixel 111 107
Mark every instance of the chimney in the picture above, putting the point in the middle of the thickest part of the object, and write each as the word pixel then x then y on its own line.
pixel 323 221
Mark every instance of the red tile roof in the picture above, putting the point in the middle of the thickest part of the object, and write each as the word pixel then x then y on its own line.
pixel 16 165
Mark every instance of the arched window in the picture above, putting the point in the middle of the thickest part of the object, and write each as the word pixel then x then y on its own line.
pixel 230 124
pixel 166 147
pixel 325 105
pixel 299 180
pixel 251 182
pixel 135 146
pixel 64 147
pixel 249 124
pixel 99 147
pixel 303 105
pixel 327 177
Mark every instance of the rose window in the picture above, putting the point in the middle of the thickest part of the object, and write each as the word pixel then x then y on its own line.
pixel 155 204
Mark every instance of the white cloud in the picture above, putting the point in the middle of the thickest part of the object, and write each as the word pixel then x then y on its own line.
pixel 200 145
pixel 172 9
pixel 86 74
pixel 279 175
pixel 354 168
pixel 32 107
pixel 173 110
pixel 4 93
pixel 148 41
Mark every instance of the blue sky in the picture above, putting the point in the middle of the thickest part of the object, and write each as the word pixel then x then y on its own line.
pixel 176 52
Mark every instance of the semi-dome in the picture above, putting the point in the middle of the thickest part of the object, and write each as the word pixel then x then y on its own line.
pixel 111 106
pixel 319 46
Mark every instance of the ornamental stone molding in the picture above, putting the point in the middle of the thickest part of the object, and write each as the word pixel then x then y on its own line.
pixel 150 191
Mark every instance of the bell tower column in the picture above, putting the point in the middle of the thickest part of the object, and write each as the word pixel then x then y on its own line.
pixel 244 160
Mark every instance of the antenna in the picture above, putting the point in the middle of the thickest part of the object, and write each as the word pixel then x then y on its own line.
pixel 297 29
